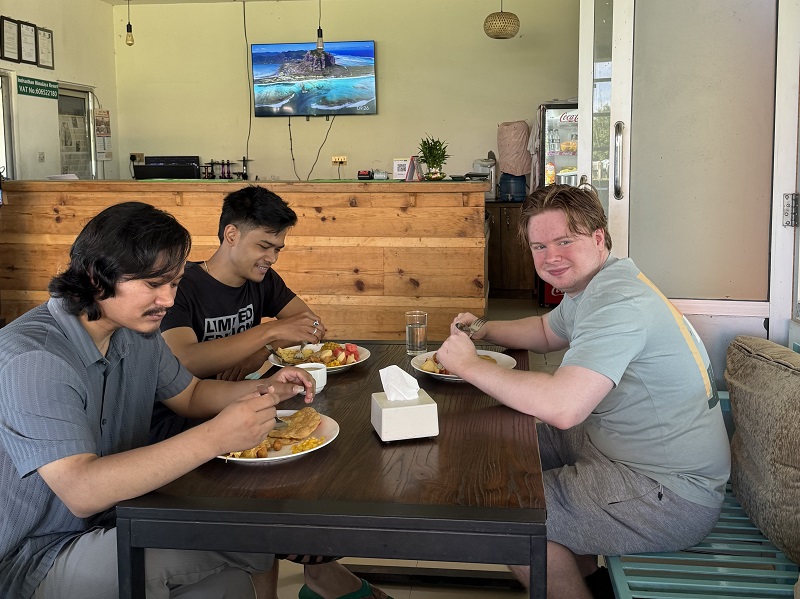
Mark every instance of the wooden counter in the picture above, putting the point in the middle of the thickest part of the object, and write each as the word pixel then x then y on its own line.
pixel 362 253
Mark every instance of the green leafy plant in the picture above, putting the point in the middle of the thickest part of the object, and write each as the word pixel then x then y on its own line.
pixel 433 152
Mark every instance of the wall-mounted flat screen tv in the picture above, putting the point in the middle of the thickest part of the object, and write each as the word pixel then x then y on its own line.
pixel 299 80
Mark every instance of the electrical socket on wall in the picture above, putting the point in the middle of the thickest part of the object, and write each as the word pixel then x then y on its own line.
pixel 41 156
pixel 137 157
pixel 339 159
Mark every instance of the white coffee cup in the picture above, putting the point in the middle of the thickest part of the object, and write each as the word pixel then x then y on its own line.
pixel 319 372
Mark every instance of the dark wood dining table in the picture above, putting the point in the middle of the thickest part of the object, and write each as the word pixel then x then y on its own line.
pixel 472 494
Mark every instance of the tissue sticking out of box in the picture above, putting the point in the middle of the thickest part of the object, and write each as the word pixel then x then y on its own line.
pixel 398 384
pixel 403 410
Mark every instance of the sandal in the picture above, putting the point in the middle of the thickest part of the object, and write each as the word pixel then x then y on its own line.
pixel 365 592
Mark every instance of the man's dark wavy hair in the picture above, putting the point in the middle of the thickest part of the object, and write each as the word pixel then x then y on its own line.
pixel 131 240
pixel 255 207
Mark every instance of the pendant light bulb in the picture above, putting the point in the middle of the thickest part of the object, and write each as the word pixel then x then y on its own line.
pixel 129 27
pixel 320 42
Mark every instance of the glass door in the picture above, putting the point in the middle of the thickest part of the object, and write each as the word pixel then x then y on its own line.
pixel 605 49
pixel 594 103
pixel 6 128
pixel 702 144
pixel 794 325
pixel 76 133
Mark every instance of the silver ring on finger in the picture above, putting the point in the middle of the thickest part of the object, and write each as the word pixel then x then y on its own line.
pixel 315 323
pixel 315 332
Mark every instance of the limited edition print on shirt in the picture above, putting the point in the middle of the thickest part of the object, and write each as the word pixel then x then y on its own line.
pixel 225 326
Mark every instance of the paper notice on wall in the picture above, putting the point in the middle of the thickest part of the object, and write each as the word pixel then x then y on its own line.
pixel 102 134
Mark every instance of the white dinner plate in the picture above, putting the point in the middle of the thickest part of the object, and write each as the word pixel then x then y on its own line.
pixel 327 428
pixel 501 359
pixel 363 354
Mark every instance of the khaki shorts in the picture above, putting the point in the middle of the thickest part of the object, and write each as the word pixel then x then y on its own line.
pixel 87 568
pixel 599 507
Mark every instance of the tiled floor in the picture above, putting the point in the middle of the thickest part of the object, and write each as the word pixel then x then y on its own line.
pixel 291 575
pixel 291 579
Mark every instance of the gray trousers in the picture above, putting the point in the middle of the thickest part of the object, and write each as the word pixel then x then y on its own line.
pixel 87 568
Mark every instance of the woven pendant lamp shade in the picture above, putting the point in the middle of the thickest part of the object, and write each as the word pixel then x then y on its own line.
pixel 501 25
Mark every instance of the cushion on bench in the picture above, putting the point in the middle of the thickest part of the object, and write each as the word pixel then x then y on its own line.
pixel 764 384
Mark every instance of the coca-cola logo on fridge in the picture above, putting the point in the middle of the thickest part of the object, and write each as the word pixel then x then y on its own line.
pixel 569 117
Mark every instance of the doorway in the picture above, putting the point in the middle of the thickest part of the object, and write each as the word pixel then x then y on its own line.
pixel 75 133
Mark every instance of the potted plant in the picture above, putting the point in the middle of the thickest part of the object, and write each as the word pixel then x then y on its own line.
pixel 433 154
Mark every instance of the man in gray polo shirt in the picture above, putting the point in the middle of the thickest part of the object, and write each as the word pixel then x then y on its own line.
pixel 634 449
pixel 79 376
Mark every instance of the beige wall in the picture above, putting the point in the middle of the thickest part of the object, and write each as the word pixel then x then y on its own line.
pixel 184 87
pixel 83 48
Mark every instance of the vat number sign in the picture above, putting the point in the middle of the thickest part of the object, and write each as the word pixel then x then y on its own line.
pixel 37 87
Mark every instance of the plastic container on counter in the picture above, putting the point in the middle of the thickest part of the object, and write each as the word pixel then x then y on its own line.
pixel 512 188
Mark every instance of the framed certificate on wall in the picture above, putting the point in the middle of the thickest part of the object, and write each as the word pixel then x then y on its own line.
pixel 45 45
pixel 27 42
pixel 9 44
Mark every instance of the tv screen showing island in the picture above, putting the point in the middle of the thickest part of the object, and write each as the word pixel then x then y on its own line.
pixel 299 80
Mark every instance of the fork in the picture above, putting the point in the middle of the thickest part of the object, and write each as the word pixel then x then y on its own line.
pixel 473 328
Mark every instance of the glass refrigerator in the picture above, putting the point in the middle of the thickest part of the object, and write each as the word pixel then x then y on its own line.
pixel 557 162
pixel 558 148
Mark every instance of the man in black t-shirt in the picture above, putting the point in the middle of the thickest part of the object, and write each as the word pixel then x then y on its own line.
pixel 215 326
pixel 215 329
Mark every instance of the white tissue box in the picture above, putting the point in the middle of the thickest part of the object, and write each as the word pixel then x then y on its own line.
pixel 406 419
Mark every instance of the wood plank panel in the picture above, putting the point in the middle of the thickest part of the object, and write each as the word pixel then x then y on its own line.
pixel 361 254
pixel 341 222
pixel 330 271
pixel 283 188
pixel 31 266
pixel 428 272
pixel 384 322
pixel 390 222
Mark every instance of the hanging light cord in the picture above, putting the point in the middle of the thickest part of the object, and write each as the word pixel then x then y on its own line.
pixel 250 93
pixel 129 11
pixel 319 23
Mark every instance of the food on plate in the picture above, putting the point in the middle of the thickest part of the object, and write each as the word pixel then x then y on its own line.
pixel 330 353
pixel 299 425
pixel 259 451
pixel 432 364
pixel 307 444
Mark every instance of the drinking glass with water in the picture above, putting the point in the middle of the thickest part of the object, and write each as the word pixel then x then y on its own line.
pixel 416 332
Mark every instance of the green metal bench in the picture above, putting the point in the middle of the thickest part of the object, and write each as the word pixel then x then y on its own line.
pixel 735 560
